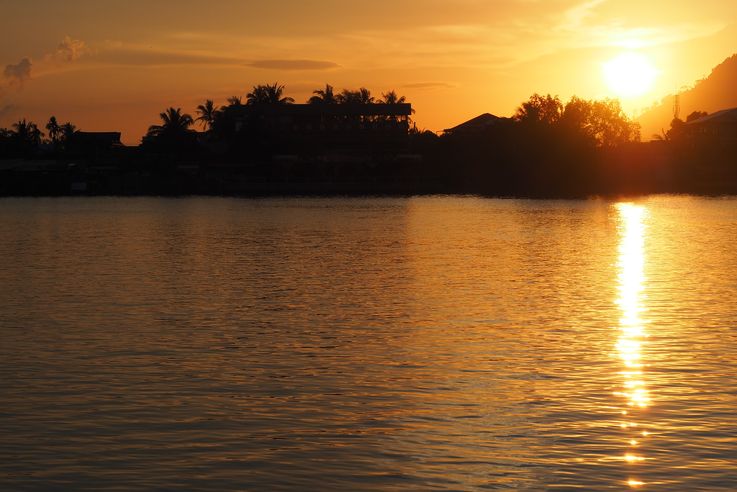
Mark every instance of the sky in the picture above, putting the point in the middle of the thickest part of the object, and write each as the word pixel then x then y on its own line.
pixel 111 65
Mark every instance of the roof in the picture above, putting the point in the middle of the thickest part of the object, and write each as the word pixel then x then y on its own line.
pixel 478 123
pixel 723 116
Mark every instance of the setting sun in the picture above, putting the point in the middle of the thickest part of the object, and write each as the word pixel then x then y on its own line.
pixel 629 75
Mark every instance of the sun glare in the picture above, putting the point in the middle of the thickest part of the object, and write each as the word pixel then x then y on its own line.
pixel 629 75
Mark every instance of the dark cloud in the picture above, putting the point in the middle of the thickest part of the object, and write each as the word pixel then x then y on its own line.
pixel 18 73
pixel 428 85
pixel 294 64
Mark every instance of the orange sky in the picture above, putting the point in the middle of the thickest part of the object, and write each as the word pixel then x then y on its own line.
pixel 115 64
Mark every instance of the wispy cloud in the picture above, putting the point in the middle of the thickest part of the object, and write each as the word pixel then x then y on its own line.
pixel 577 15
pixel 582 27
pixel 133 55
pixel 428 85
pixel 549 30
pixel 294 64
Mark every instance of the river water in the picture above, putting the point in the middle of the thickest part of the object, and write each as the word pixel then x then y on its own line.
pixel 434 343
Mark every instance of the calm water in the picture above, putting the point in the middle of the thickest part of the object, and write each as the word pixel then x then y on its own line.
pixel 368 344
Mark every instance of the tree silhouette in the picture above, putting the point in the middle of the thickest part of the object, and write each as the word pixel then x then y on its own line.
pixel 174 123
pixel 268 94
pixel 323 96
pixel 54 130
pixel 601 123
pixel 610 126
pixel 361 96
pixel 391 97
pixel 67 130
pixel 677 130
pixel 540 109
pixel 235 101
pixel 207 114
pixel 27 133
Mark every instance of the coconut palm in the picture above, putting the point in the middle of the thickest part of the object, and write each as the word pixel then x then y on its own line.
pixel 268 94
pixel 173 123
pixel 323 96
pixel 67 130
pixel 361 96
pixel 54 130
pixel 207 113
pixel 364 96
pixel 392 97
pixel 27 133
pixel 235 101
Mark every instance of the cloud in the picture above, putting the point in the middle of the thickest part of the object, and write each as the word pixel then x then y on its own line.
pixel 67 51
pixel 19 73
pixel 583 26
pixel 578 14
pixel 136 56
pixel 70 50
pixel 428 85
pixel 294 65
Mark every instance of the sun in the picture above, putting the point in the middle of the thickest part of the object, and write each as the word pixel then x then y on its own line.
pixel 629 75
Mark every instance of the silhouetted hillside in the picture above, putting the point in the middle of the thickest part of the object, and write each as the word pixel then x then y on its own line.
pixel 715 92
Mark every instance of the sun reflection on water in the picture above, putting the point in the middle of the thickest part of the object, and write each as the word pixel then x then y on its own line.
pixel 631 325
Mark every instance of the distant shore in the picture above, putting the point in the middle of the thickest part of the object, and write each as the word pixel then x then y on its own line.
pixel 60 178
pixel 353 145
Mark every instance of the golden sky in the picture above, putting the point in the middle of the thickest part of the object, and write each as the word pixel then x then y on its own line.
pixel 115 64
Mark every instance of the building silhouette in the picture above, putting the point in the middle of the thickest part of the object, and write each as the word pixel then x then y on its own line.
pixel 325 128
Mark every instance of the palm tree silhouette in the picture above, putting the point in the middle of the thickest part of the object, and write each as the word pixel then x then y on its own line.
pixel 361 96
pixel 365 96
pixel 392 97
pixel 173 123
pixel 67 130
pixel 323 96
pixel 235 101
pixel 268 94
pixel 54 130
pixel 207 113
pixel 27 133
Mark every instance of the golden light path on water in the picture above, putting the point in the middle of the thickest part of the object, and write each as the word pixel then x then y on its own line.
pixel 632 328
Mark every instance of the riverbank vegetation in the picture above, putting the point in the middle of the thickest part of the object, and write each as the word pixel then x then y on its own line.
pixel 353 141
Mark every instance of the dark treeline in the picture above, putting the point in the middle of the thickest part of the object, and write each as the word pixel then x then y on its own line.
pixel 699 154
pixel 546 149
pixel 352 142
pixel 251 129
pixel 25 139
